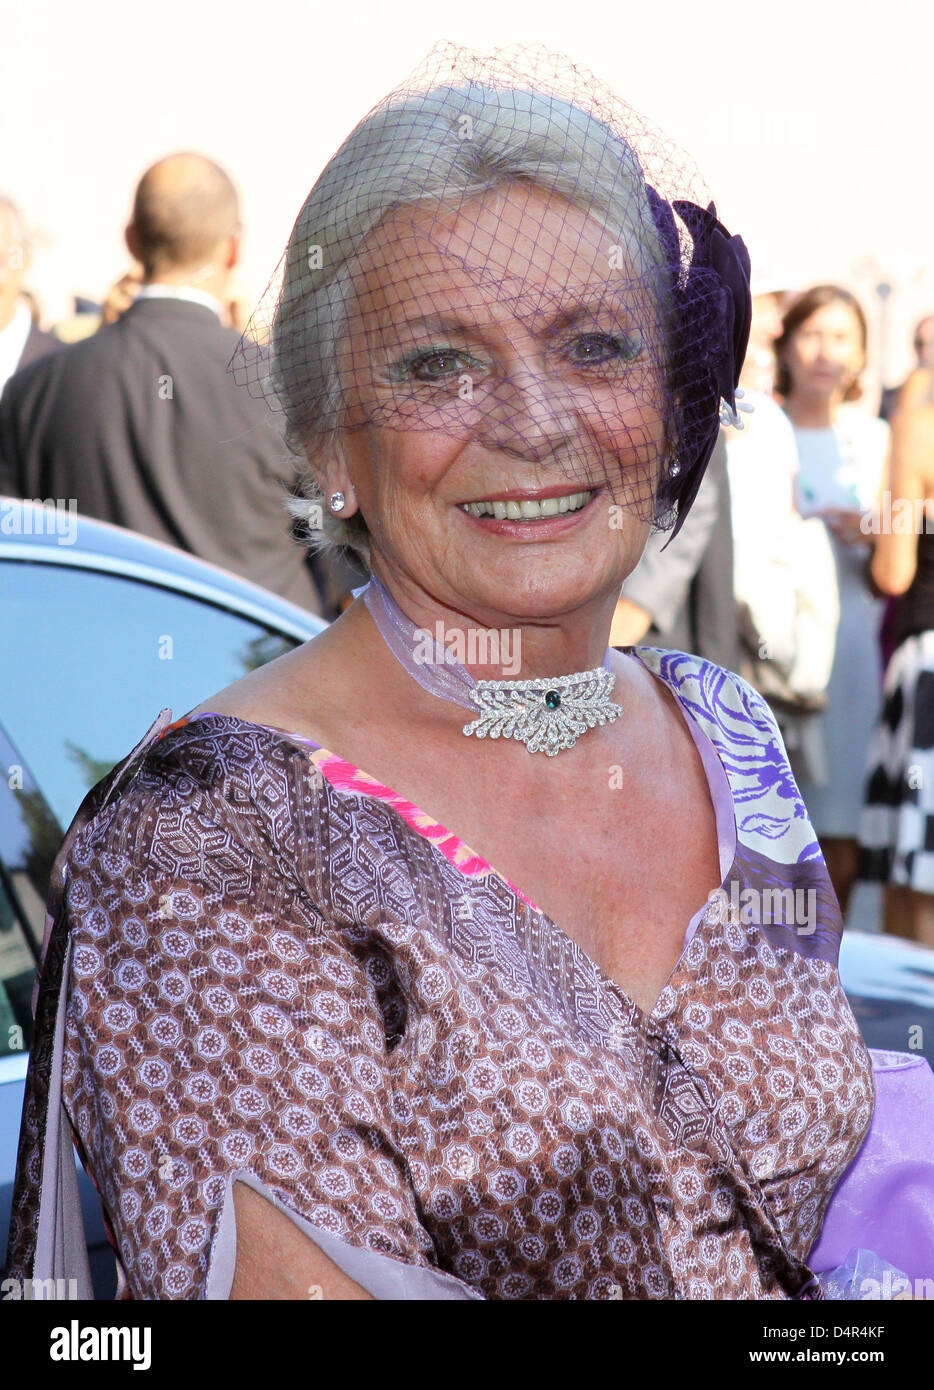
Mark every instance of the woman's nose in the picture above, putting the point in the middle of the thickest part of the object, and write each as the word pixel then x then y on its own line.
pixel 530 416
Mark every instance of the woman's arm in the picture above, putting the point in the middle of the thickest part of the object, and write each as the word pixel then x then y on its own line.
pixel 275 1260
pixel 896 553
pixel 263 1249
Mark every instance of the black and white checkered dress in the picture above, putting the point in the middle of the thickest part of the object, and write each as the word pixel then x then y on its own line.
pixel 897 823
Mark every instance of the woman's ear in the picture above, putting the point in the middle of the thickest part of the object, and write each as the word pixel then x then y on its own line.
pixel 330 471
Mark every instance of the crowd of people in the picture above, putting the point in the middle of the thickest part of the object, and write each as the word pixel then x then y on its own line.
pixel 816 608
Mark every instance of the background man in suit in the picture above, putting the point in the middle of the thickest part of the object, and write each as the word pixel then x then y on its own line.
pixel 21 342
pixel 142 424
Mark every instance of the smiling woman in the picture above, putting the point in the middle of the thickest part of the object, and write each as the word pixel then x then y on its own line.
pixel 358 997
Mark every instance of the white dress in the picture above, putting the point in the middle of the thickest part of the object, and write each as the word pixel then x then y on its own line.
pixel 842 466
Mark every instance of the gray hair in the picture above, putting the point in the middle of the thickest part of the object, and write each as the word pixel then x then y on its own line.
pixel 419 150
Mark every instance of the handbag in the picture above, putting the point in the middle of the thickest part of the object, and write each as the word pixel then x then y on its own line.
pixel 877 1238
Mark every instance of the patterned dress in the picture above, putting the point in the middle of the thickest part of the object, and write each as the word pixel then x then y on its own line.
pixel 272 966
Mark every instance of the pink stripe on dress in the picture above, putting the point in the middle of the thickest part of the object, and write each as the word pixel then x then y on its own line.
pixel 344 776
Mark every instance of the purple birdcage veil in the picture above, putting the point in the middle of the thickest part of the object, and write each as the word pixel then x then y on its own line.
pixel 505 253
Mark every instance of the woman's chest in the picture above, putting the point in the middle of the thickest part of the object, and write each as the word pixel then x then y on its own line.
pixel 619 870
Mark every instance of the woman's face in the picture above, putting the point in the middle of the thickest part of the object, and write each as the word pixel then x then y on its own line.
pixel 825 354
pixel 501 363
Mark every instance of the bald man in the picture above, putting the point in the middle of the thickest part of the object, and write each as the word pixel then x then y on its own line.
pixel 142 424
pixel 21 342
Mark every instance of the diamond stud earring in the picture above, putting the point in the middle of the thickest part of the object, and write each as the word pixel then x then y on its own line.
pixel 337 501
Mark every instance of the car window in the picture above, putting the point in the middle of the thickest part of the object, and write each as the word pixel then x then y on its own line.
pixel 17 972
pixel 90 659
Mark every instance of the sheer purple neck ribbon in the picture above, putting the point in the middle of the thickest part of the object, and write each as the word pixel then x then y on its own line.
pixel 440 674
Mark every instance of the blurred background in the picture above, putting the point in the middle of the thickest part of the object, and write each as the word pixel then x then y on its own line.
pixel 810 122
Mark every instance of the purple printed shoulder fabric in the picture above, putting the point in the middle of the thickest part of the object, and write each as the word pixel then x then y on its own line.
pixel 276 975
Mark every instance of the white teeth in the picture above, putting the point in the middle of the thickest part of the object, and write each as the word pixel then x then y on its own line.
pixel 529 510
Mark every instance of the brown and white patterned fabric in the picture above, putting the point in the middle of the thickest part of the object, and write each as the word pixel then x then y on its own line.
pixel 278 976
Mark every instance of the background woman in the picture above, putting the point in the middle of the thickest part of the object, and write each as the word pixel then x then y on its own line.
pixel 821 353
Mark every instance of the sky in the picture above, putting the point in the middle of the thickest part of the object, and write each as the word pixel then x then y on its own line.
pixel 810 120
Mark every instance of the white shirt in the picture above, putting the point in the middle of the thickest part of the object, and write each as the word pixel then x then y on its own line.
pixel 13 340
pixel 195 296
pixel 842 465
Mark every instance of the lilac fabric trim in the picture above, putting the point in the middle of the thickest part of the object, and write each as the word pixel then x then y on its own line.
pixel 446 679
pixel 865 1275
pixel 885 1201
pixel 722 797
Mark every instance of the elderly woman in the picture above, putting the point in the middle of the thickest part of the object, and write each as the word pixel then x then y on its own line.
pixel 454 954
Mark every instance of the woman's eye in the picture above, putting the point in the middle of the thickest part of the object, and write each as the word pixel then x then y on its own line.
pixel 600 348
pixel 436 365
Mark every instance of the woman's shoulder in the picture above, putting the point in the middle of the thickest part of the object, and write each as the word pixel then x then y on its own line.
pixel 207 838
pixel 202 758
pixel 734 715
pixel 209 794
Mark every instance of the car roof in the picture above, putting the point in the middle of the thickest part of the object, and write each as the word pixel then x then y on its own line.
pixel 877 965
pixel 27 533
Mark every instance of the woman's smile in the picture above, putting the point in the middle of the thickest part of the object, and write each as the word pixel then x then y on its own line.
pixel 526 515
